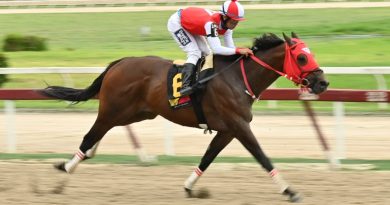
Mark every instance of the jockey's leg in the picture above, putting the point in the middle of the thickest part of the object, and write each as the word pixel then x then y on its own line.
pixel 206 51
pixel 218 143
pixel 187 72
pixel 188 44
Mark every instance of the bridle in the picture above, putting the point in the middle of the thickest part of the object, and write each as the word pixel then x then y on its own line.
pixel 291 69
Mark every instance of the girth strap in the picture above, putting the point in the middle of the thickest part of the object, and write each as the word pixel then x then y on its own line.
pixel 196 100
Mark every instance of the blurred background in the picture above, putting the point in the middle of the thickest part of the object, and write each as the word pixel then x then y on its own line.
pixel 55 34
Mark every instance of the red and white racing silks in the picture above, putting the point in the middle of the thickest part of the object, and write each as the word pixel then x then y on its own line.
pixel 192 27
pixel 208 23
pixel 194 20
pixel 204 22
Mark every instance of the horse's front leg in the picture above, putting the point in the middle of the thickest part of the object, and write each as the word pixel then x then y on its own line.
pixel 249 141
pixel 218 143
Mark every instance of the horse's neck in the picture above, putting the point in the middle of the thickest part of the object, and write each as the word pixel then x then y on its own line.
pixel 260 78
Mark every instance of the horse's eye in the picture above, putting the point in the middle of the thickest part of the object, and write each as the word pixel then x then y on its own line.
pixel 302 59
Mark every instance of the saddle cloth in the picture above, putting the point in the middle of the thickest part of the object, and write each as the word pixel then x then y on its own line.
pixel 174 85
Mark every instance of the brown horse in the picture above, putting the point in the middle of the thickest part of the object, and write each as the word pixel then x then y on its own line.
pixel 134 89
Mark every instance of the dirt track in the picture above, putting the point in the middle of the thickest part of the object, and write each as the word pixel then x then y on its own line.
pixel 39 184
pixel 120 184
pixel 281 136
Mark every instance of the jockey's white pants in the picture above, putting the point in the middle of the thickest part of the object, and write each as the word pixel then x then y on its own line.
pixel 194 45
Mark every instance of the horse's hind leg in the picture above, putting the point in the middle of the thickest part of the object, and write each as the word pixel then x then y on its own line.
pixel 95 134
pixel 249 141
pixel 218 143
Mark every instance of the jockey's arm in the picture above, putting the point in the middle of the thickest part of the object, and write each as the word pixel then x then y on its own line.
pixel 228 38
pixel 215 43
pixel 217 48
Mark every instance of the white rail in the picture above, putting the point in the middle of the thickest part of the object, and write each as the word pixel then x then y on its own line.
pixel 378 72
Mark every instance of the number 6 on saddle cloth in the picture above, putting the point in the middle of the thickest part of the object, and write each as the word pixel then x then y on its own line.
pixel 174 80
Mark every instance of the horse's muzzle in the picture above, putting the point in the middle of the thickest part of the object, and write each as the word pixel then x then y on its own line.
pixel 320 87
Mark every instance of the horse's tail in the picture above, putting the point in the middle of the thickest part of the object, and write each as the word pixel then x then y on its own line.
pixel 77 95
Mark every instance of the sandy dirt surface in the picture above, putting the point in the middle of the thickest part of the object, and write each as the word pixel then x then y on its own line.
pixel 22 183
pixel 243 184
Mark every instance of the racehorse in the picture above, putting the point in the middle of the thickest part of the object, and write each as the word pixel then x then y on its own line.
pixel 133 89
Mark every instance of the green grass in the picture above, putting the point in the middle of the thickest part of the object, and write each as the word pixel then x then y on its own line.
pixel 185 160
pixel 95 39
pixel 188 3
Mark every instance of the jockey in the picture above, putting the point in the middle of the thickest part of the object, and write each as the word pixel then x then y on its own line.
pixel 197 29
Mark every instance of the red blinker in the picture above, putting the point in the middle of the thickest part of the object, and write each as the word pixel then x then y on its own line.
pixel 294 71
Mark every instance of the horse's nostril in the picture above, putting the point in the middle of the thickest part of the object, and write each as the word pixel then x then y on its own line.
pixel 324 83
pixel 305 82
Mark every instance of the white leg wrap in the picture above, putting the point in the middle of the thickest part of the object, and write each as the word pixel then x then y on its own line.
pixel 277 178
pixel 71 165
pixel 191 180
pixel 91 152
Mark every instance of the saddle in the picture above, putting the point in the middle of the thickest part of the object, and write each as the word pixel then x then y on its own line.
pixel 175 83
pixel 195 99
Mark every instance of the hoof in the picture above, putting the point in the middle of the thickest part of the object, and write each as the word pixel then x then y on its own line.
pixel 201 194
pixel 86 158
pixel 60 166
pixel 295 198
pixel 188 193
pixel 292 195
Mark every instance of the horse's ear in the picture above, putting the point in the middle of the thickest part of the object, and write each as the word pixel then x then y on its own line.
pixel 294 35
pixel 287 39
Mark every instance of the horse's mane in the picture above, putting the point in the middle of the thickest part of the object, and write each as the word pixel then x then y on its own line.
pixel 267 41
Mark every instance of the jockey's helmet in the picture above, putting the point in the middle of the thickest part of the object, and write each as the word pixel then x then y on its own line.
pixel 233 10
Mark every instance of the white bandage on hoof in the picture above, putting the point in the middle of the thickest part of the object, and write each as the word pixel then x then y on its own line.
pixel 191 180
pixel 71 165
pixel 277 178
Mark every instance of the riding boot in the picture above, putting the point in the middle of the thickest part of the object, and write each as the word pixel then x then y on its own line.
pixel 186 77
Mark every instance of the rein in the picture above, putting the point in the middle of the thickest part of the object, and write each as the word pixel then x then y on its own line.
pixel 244 76
pixel 249 90
pixel 287 74
pixel 220 71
